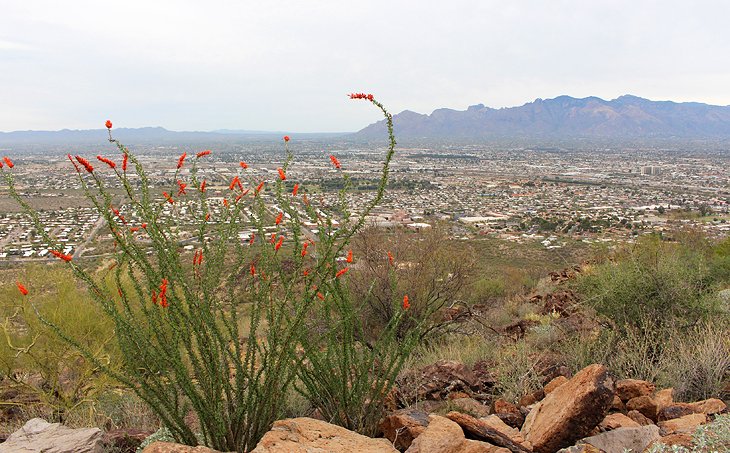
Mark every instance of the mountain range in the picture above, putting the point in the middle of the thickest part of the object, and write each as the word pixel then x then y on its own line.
pixel 564 117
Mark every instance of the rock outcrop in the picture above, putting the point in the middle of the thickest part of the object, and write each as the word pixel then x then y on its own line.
pixel 37 435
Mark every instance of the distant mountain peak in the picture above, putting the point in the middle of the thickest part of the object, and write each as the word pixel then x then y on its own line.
pixel 627 116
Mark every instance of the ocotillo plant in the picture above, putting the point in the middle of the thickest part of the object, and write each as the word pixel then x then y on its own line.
pixel 215 334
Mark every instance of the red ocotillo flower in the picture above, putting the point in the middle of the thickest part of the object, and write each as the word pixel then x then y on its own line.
pixel 207 216
pixel 391 260
pixel 259 187
pixel 286 138
pixel 369 97
pixel 243 165
pixel 335 161
pixel 349 256
pixel 278 244
pixel 85 163
pixel 109 162
pixel 406 303
pixel 320 296
pixel 304 248
pixel 8 162
pixel 1 165
pixel 181 160
pixel 295 189
pixel 252 238
pixel 163 293
pixel 168 197
pixel 342 272
pixel 203 153
pixel 305 272
pixel 78 170
pixel 144 225
pixel 279 217
pixel 235 182
pixel 272 239
pixel 124 161
pixel 154 297
pixel 252 270
pixel 202 186
pixel 61 256
pixel 134 229
pixel 181 188
pixel 108 124
pixel 225 202
pixel 23 290
pixel 282 175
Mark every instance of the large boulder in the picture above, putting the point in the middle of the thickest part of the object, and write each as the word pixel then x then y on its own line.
pixel 571 411
pixel 37 435
pixel 682 425
pixel 307 435
pixel 437 381
pixel 622 439
pixel 125 440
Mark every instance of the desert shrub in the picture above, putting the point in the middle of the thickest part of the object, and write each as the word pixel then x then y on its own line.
pixel 424 265
pixel 692 361
pixel 184 346
pixel 656 280
pixel 518 371
pixel 35 362
pixel 713 437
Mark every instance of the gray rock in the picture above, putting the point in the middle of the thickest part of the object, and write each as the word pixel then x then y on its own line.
pixel 39 436
pixel 621 439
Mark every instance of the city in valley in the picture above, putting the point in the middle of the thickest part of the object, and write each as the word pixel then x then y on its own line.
pixel 549 196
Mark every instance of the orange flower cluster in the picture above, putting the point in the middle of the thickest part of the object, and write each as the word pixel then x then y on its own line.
pixel 168 197
pixel 23 290
pixel 304 248
pixel 259 187
pixel 369 97
pixel 198 258
pixel 349 256
pixel 85 163
pixel 342 272
pixel 295 189
pixel 251 239
pixel 108 124
pixel 335 161
pixel 181 188
pixel 391 260
pixel 243 165
pixel 278 244
pixel 61 256
pixel 78 170
pixel 109 162
pixel 406 302
pixel 202 186
pixel 163 294
pixel 279 217
pixel 282 176
pixel 181 160
pixel 252 270
pixel 124 161
pixel 235 182
pixel 203 153
pixel 8 162
pixel 286 138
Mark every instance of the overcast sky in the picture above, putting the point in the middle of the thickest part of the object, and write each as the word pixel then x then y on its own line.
pixel 287 65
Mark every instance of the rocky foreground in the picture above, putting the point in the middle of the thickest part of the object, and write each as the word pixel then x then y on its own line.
pixel 588 412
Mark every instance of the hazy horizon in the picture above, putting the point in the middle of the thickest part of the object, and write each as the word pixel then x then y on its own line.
pixel 187 66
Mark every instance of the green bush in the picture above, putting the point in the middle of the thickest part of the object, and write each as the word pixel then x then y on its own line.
pixel 655 280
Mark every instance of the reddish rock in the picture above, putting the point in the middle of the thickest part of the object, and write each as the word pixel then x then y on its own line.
pixel 639 418
pixel 513 434
pixel 447 376
pixel 508 412
pixel 624 439
pixel 710 406
pixel 306 435
pixel 683 440
pixel 571 411
pixel 664 398
pixel 555 383
pixel 617 405
pixel 675 410
pixel 687 424
pixel 644 404
pixel 482 431
pixel 615 421
pixel 403 426
pixel 627 389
